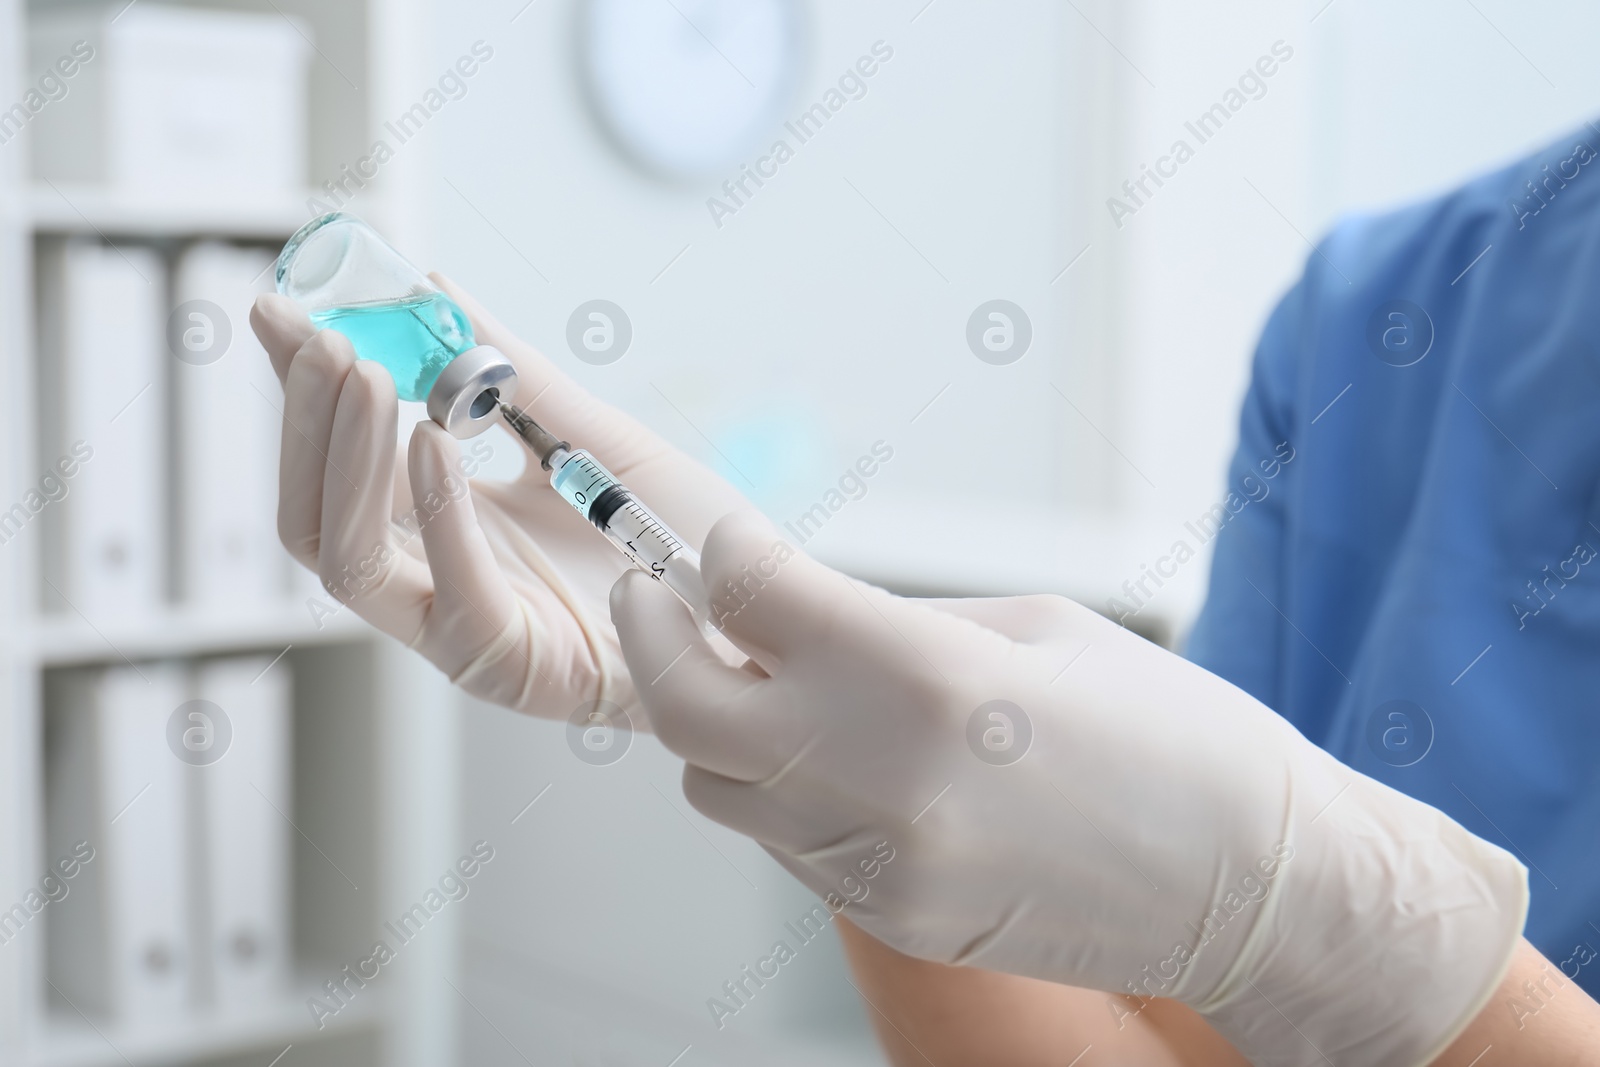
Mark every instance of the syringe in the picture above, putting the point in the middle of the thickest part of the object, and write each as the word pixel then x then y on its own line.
pixel 638 532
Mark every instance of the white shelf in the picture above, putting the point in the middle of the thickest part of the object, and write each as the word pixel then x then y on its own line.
pixel 377 787
pixel 61 207
pixel 60 640
pixel 68 1041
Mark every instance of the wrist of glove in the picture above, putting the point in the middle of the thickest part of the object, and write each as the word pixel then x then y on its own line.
pixel 1066 801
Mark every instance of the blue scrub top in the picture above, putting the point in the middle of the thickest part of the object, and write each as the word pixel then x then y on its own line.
pixel 1419 590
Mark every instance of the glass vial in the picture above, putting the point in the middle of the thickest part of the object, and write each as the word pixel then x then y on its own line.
pixel 349 279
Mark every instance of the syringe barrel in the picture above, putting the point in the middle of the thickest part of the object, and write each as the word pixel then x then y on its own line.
pixel 638 532
pixel 631 530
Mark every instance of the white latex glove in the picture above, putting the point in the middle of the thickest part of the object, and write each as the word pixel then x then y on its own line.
pixel 504 590
pixel 1154 803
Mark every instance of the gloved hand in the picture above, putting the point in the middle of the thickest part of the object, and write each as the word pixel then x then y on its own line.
pixel 1128 822
pixel 505 588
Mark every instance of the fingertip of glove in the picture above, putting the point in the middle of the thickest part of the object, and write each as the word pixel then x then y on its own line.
pixel 275 312
pixel 429 434
pixel 735 541
pixel 433 453
pixel 372 381
pixel 623 592
pixel 281 327
pixel 326 351
pixel 738 532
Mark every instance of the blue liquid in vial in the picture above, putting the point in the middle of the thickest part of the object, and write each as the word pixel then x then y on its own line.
pixel 413 339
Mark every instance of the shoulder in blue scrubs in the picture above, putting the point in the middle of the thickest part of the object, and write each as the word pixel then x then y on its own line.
pixel 1420 592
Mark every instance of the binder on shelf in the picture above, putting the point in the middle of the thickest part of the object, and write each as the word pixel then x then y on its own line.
pixel 227 430
pixel 171 99
pixel 243 806
pixel 117 944
pixel 103 425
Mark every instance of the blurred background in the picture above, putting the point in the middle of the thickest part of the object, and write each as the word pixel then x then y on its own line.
pixel 219 793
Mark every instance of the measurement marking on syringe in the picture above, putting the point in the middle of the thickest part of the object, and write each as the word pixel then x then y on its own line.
pixel 595 493
pixel 664 536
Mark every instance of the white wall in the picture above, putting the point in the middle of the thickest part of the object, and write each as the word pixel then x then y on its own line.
pixel 805 328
